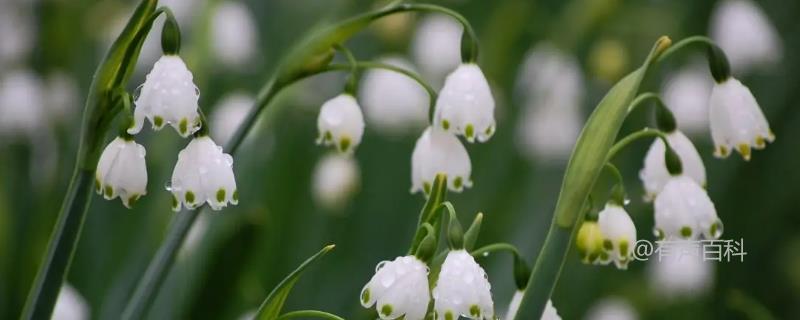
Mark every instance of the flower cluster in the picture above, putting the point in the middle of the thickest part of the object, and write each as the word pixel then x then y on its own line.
pixel 400 288
pixel 203 172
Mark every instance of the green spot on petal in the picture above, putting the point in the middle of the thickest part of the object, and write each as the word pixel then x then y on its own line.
pixel 458 182
pixel 607 244
pixel 474 310
pixel 328 136
pixel 686 232
pixel 469 131
pixel 235 195
pixel 623 248
pixel 109 191
pixel 97 185
pixel 175 202
pixel 449 315
pixel 189 197
pixel 158 121
pixel 445 124
pixel 365 296
pixel 386 310
pixel 344 144
pixel 183 126
pixel 132 200
pixel 221 195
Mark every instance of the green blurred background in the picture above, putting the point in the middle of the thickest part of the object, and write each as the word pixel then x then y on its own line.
pixel 245 250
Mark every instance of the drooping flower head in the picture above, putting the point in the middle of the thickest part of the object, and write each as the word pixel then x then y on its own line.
pixel 465 105
pixel 590 243
pixel 336 178
pixel 438 152
pixel 436 46
pixel 122 171
pixel 619 234
pixel 655 174
pixel 736 120
pixel 341 123
pixel 393 102
pixel 684 210
pixel 203 173
pixel 462 289
pixel 168 96
pixel 400 288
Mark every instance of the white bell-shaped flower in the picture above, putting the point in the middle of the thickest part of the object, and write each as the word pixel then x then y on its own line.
pixel 400 288
pixel 465 105
pixel 550 312
pixel 463 289
pixel 550 84
pixel 70 305
pixel 736 120
pixel 438 152
pixel 684 210
pixel 393 102
pixel 654 174
pixel 744 32
pixel 436 46
pixel 612 309
pixel 168 96
pixel 589 242
pixel 234 34
pixel 686 94
pixel 122 171
pixel 619 234
pixel 341 123
pixel 203 173
pixel 336 179
pixel 680 270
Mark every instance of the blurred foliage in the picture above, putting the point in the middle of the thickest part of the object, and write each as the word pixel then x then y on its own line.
pixel 247 249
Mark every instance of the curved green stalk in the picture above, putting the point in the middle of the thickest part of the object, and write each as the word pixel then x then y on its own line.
pixel 644 97
pixel 585 165
pixel 495 247
pixel 690 41
pixel 101 107
pixel 309 314
pixel 644 133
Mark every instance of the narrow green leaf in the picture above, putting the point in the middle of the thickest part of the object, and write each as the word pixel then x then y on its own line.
pixel 437 195
pixel 270 309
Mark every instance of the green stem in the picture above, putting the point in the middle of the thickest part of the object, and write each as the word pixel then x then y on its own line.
pixel 351 87
pixel 690 41
pixel 494 247
pixel 644 97
pixel 309 314
pixel 644 133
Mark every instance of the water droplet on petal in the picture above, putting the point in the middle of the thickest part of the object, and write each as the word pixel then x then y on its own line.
pixel 387 280
pixel 168 186
pixel 228 159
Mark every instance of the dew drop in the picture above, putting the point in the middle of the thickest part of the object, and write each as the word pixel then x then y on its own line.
pixel 486 254
pixel 228 159
pixel 168 186
pixel 387 280
pixel 626 201
pixel 380 266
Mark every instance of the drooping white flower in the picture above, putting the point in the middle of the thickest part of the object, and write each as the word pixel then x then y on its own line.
pixel 393 102
pixel 686 94
pixel 736 120
pixel 168 96
pixel 436 46
pixel 681 272
pixel 465 105
pixel 341 123
pixel 654 174
pixel 234 34
pixel 336 179
pixel 70 305
pixel 203 173
pixel 21 104
pixel 550 312
pixel 619 234
pixel 611 309
pixel 438 152
pixel 122 171
pixel 684 210
pixel 746 35
pixel 400 288
pixel 228 115
pixel 463 289
pixel 550 85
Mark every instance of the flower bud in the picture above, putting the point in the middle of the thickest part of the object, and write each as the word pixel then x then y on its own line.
pixel 122 171
pixel 341 123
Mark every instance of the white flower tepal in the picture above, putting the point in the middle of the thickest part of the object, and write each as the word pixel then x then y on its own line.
pixel 393 102
pixel 654 174
pixel 438 152
pixel 736 120
pixel 400 288
pixel 684 210
pixel 122 171
pixel 341 123
pixel 462 289
pixel 336 178
pixel 70 305
pixel 550 312
pixel 168 96
pixel 619 234
pixel 465 105
pixel 203 174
